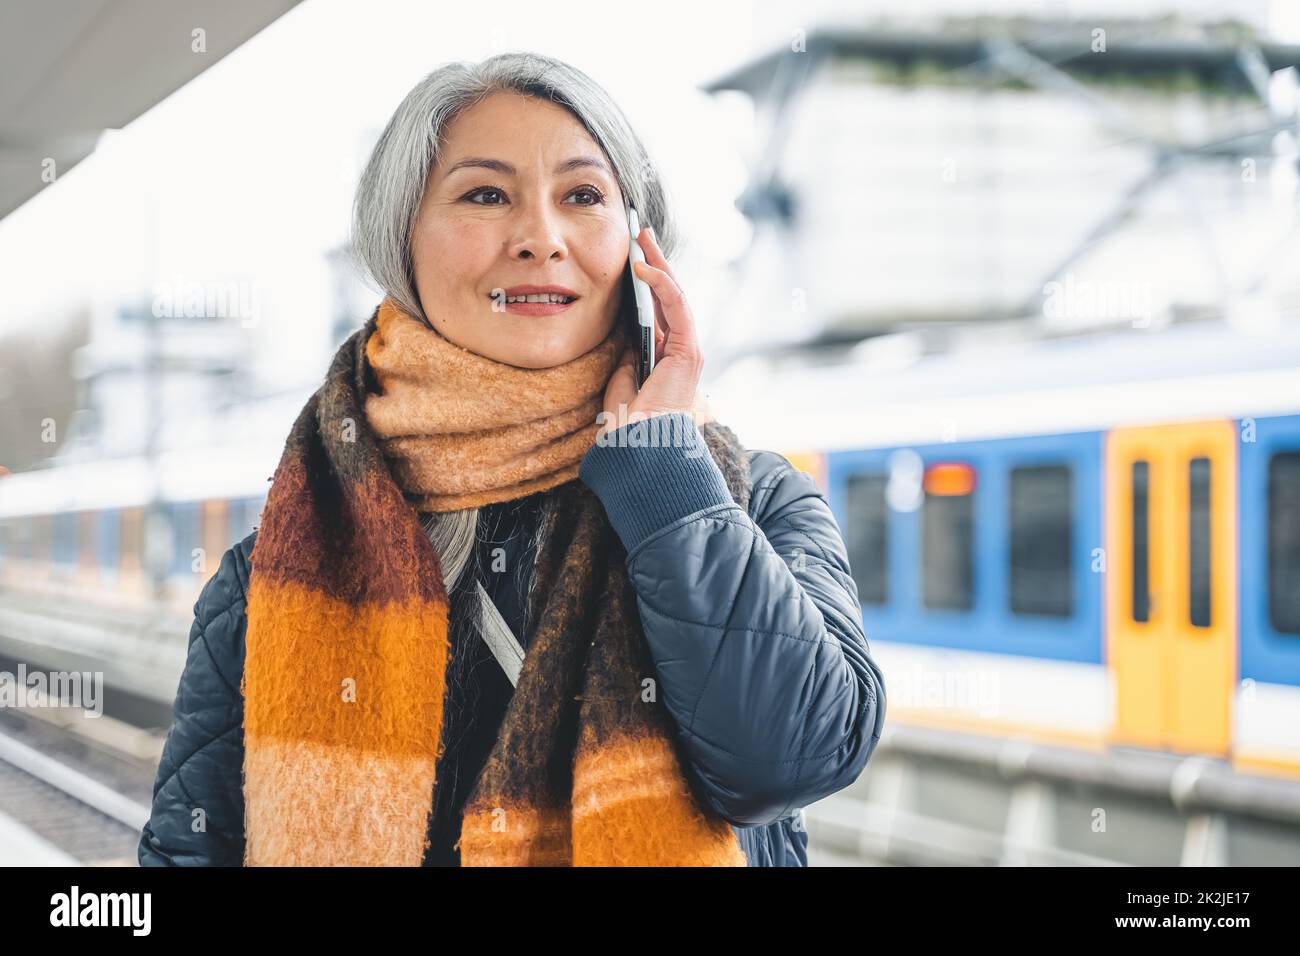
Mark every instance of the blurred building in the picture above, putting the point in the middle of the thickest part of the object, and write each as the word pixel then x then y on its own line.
pixel 1065 172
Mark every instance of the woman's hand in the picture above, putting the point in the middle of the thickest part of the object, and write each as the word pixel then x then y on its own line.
pixel 672 384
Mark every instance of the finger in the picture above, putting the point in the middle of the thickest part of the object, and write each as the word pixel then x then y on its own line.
pixel 661 328
pixel 676 312
pixel 653 254
pixel 655 257
pixel 661 320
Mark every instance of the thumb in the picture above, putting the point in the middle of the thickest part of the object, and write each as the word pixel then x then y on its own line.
pixel 621 389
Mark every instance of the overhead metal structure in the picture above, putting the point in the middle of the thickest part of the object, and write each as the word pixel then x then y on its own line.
pixel 1057 58
pixel 1071 49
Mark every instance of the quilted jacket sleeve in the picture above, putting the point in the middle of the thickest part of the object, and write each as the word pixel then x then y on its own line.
pixel 197 818
pixel 752 618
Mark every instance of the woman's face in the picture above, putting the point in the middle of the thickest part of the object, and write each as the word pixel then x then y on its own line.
pixel 522 196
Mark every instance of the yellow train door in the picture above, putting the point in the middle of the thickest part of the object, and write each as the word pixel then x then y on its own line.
pixel 812 462
pixel 1171 584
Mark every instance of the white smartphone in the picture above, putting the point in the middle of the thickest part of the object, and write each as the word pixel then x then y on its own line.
pixel 645 304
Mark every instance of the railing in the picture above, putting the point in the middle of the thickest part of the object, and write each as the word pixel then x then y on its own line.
pixel 939 797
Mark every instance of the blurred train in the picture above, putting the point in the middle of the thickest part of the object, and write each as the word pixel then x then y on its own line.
pixel 1088 540
pixel 130 533
pixel 1091 541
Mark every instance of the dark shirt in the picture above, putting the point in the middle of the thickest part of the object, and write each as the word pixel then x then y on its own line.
pixel 479 691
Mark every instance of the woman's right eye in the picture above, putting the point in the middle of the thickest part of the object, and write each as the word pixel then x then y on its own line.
pixel 481 191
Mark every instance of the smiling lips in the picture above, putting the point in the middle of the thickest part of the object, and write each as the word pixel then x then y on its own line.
pixel 535 299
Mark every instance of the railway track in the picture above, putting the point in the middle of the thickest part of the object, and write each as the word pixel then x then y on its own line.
pixel 68 797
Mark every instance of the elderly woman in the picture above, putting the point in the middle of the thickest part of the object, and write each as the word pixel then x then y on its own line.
pixel 504 607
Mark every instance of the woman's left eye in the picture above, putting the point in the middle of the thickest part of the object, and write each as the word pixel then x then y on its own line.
pixel 596 194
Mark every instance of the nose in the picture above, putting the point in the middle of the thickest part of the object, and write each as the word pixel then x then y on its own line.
pixel 537 236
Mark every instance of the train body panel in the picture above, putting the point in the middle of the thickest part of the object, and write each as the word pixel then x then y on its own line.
pixel 103 557
pixel 1268 697
pixel 968 603
pixel 1134 586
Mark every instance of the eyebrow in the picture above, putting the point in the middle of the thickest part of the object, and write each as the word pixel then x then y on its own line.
pixel 497 165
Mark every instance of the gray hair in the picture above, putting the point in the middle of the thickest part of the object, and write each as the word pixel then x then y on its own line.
pixel 392 184
pixel 391 189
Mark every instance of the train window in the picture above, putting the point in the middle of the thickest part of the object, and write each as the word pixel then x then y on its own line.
pixel 21 538
pixel 243 514
pixel 11 542
pixel 947 541
pixel 86 538
pixel 1042 521
pixel 868 537
pixel 1141 541
pixel 235 521
pixel 157 540
pixel 1198 524
pixel 65 538
pixel 1284 542
pixel 42 535
pixel 109 538
pixel 187 534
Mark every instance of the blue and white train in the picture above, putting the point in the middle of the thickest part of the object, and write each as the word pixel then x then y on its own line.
pixel 1088 540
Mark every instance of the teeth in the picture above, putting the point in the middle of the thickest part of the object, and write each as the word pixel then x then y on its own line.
pixel 541 297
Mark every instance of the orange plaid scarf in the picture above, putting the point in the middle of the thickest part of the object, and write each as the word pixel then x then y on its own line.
pixel 347 649
pixel 462 430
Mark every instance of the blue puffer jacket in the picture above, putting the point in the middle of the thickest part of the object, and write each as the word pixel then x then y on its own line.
pixel 752 619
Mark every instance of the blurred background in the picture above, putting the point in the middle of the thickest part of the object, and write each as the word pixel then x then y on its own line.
pixel 1015 280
